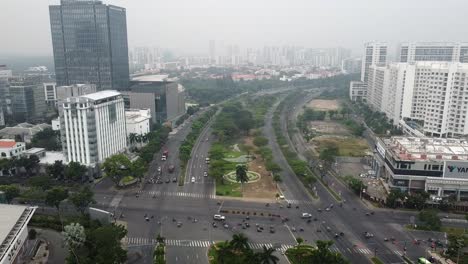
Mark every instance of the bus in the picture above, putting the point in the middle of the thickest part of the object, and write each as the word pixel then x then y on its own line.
pixel 423 261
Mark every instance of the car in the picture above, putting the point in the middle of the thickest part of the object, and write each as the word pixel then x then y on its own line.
pixel 315 219
pixel 168 181
pixel 319 231
pixel 159 182
pixel 205 174
pixel 174 179
pixel 289 205
pixel 336 235
pixel 319 210
pixel 247 225
pixel 272 229
pixel 341 234
pixel 328 228
pixel 259 229
pixel 159 169
pixel 207 160
pixel 219 217
pixel 281 197
pixel 385 239
pixel 193 179
pixel 293 229
pixel 327 209
pixel 306 215
pixel 226 226
pixel 179 224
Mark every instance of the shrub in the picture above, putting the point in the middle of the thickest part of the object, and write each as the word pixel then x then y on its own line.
pixel 32 233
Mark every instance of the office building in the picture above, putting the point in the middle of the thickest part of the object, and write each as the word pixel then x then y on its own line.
pixel 63 92
pixel 93 127
pixel 50 92
pixel 5 73
pixel 375 53
pixel 358 91
pixel 138 121
pixel 164 98
pixel 433 51
pixel 14 232
pixel 436 165
pixel 90 44
pixel 27 100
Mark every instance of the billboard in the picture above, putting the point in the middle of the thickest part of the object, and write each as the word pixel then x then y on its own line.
pixel 456 169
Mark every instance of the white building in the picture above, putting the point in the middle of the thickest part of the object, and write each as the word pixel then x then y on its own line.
pixel 433 51
pixel 375 53
pixel 93 126
pixel 138 121
pixel 50 92
pixel 436 165
pixel 351 65
pixel 9 148
pixel 14 221
pixel 435 93
pixel 358 91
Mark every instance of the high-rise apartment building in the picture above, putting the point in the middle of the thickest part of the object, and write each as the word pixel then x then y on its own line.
pixel 375 53
pixel 93 127
pixel 90 44
pixel 433 93
pixel 433 51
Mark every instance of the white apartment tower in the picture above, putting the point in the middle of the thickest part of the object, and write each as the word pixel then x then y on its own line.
pixel 375 53
pixel 433 51
pixel 93 126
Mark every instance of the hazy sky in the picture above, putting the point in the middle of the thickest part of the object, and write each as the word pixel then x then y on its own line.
pixel 188 25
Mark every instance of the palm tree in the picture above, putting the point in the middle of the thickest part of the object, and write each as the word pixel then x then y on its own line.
pixel 224 252
pixel 241 174
pixel 160 239
pixel 266 256
pixel 239 242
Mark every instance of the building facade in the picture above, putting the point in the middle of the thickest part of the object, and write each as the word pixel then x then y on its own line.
pixel 93 127
pixel 438 166
pixel 63 92
pixel 358 91
pixel 138 121
pixel 433 51
pixel 50 92
pixel 90 44
pixel 351 65
pixel 375 53
pixel 26 99
pixel 9 148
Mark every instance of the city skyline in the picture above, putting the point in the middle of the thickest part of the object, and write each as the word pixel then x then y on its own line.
pixel 184 26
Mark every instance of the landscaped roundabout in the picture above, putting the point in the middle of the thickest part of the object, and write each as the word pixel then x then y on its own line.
pixel 253 176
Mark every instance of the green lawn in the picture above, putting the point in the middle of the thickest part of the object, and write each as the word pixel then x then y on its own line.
pixel 454 230
pixel 228 189
pixel 212 254
pixel 354 147
pixel 229 153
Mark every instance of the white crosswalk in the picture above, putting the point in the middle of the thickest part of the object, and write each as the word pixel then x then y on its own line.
pixel 398 252
pixel 177 194
pixel 298 202
pixel 136 241
pixel 364 251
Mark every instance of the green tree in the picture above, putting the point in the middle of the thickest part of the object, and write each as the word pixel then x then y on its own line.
pixel 394 197
pixel 11 191
pixel 55 196
pixel 41 181
pixel 138 168
pixel 56 170
pixel 241 174
pixel 132 138
pixel 160 239
pixel 239 242
pixel 260 141
pixel 75 171
pixel 117 167
pixel 107 246
pixel 82 199
pixel 266 256
pixel 299 240
pixel 47 138
pixel 224 253
pixel 74 236
pixel 431 219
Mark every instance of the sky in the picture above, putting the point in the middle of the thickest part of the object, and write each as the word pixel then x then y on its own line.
pixel 186 26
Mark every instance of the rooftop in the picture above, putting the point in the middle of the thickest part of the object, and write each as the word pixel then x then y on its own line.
pixel 7 143
pixel 101 95
pixel 415 148
pixel 12 219
pixel 33 150
pixel 52 156
pixel 151 78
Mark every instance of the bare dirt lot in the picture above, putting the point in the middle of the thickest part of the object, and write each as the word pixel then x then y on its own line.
pixel 347 146
pixel 265 188
pixel 324 105
pixel 328 127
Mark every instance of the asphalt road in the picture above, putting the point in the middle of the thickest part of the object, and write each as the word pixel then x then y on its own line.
pixel 184 214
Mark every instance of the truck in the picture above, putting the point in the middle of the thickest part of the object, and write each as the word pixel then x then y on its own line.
pixel 171 168
pixel 165 154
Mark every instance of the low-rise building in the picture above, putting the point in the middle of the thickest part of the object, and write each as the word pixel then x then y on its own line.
pixel 14 232
pixel 358 91
pixel 9 148
pixel 436 165
pixel 138 121
pixel 25 131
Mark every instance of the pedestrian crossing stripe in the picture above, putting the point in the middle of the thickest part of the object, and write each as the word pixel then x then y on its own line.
pixel 196 243
pixel 365 251
pixel 298 202
pixel 398 252
pixel 178 194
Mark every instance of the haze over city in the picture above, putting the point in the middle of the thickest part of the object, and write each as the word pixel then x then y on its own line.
pixel 186 26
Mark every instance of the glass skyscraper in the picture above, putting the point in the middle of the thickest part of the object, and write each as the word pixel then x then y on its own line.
pixel 90 44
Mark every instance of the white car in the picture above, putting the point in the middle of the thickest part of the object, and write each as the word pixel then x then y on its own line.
pixel 219 217
pixel 306 215
pixel 159 168
pixel 205 174
pixel 193 179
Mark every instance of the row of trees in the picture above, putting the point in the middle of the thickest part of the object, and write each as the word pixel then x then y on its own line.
pixel 377 121
pixel 321 254
pixel 238 251
pixel 233 120
pixel 414 200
